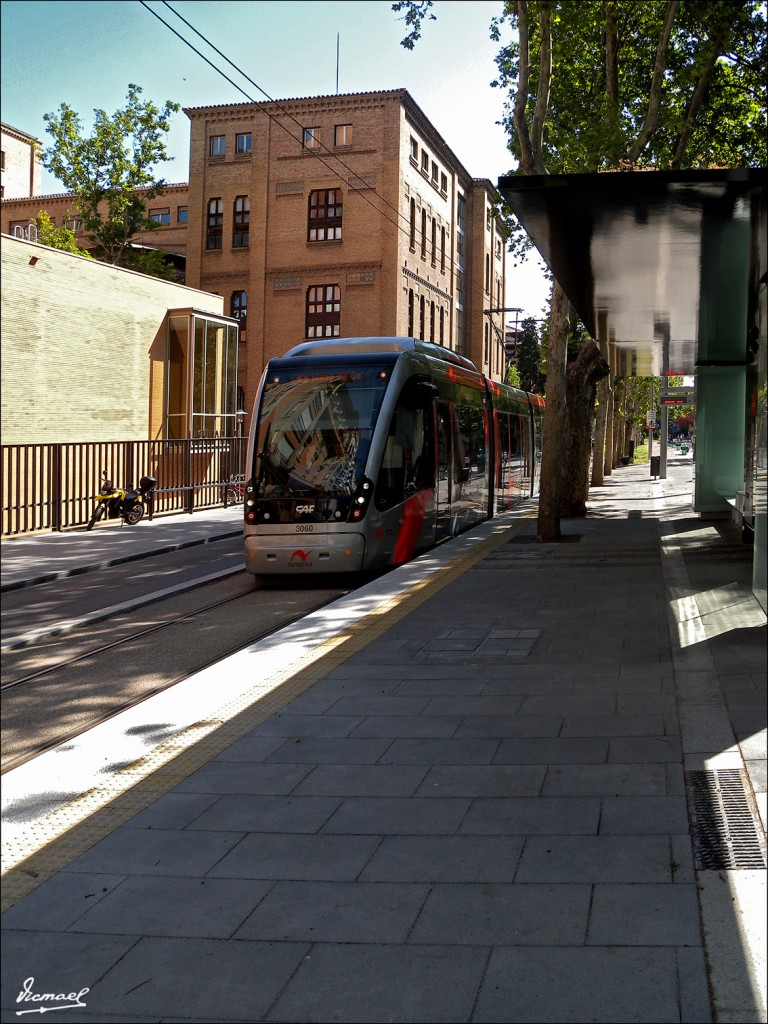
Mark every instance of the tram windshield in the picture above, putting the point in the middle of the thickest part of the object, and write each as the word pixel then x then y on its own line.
pixel 315 428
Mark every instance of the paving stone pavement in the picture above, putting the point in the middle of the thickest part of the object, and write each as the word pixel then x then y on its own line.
pixel 480 815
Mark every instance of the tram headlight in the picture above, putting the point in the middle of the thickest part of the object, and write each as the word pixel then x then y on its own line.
pixel 361 499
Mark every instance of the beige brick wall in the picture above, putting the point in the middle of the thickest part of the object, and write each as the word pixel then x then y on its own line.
pixel 83 346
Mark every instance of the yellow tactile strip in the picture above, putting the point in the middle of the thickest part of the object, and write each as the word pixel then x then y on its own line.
pixel 51 843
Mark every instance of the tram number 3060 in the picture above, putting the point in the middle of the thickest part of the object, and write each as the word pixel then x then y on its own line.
pixel 304 528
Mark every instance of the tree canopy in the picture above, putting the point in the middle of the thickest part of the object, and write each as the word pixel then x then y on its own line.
pixel 106 169
pixel 529 358
pixel 57 237
pixel 610 84
pixel 614 85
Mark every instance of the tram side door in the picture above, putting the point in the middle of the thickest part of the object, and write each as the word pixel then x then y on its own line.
pixel 445 463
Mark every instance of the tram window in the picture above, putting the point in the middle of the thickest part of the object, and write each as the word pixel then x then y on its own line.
pixel 408 462
pixel 470 450
pixel 504 450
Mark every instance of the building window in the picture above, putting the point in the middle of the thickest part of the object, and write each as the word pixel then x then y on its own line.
pixel 201 397
pixel 444 184
pixel 425 163
pixel 410 312
pixel 73 223
pixel 413 225
pixel 160 216
pixel 182 214
pixel 488 218
pixel 215 227
pixel 442 250
pixel 218 145
pixel 422 306
pixel 325 213
pixel 434 173
pixel 414 150
pixel 243 144
pixel 241 222
pixel 323 311
pixel 431 321
pixel 434 242
pixel 487 273
pixel 311 138
pixel 423 233
pixel 342 135
pixel 442 325
pixel 239 308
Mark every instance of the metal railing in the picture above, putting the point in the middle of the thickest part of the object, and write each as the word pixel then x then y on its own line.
pixel 52 486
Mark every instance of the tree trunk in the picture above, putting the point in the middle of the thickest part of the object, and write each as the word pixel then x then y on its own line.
pixel 598 453
pixel 555 420
pixel 581 384
pixel 618 433
pixel 608 453
pixel 627 436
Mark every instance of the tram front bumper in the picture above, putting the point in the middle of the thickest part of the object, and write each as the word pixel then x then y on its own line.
pixel 282 554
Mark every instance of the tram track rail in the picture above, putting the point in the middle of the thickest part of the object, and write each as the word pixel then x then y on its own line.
pixel 114 644
pixel 57 628
pixel 84 677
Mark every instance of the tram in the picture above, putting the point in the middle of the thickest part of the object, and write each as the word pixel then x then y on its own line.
pixel 365 452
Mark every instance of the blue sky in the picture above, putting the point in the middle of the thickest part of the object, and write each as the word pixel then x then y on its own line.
pixel 86 53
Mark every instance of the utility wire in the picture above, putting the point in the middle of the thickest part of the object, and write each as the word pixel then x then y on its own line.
pixel 281 108
pixel 299 139
pixel 266 112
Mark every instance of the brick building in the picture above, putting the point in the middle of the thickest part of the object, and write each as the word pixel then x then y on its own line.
pixel 342 216
pixel 328 216
pixel 169 211
pixel 21 163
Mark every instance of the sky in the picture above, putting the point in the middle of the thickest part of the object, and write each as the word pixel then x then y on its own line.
pixel 86 53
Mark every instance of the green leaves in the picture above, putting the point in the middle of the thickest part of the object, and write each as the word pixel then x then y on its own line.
pixel 57 237
pixel 105 169
pixel 710 75
pixel 415 13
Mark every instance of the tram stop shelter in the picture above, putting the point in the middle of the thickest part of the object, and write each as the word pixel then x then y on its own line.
pixel 667 271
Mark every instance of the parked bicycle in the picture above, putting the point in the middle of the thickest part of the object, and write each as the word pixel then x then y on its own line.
pixel 127 504
pixel 234 491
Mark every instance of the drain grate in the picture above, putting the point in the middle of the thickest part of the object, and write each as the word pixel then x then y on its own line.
pixel 722 824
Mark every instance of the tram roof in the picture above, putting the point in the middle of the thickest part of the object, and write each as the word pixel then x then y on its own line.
pixel 377 346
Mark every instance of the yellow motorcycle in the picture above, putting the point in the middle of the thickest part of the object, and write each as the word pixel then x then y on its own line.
pixel 116 503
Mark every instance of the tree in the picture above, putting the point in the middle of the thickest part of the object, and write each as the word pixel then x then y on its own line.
pixel 616 84
pixel 151 262
pixel 529 358
pixel 513 376
pixel 57 238
pixel 105 170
